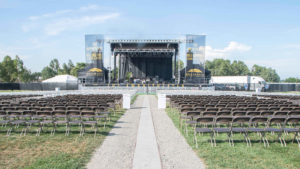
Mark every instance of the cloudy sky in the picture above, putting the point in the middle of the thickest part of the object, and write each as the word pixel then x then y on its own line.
pixel 264 32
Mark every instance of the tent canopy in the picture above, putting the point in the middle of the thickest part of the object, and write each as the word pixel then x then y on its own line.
pixel 62 79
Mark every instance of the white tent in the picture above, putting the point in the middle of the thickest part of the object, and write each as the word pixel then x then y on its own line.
pixel 62 79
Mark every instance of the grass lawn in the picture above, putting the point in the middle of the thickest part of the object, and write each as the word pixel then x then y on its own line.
pixel 2 91
pixel 291 92
pixel 241 156
pixel 46 151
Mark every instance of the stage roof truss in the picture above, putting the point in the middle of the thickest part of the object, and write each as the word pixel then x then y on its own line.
pixel 146 41
pixel 144 50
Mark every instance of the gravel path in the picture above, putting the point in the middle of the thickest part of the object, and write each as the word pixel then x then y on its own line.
pixel 175 153
pixel 146 155
pixel 120 149
pixel 117 150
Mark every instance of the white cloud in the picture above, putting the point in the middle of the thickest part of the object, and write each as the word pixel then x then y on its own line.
pixel 62 12
pixel 69 19
pixel 49 15
pixel 233 47
pixel 63 24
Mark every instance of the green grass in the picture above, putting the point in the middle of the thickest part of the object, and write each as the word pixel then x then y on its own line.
pixel 134 98
pixel 290 92
pixel 1 91
pixel 138 94
pixel 46 151
pixel 241 156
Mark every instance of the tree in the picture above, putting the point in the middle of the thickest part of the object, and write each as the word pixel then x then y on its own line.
pixel 66 68
pixel 36 76
pixel 79 66
pixel 292 80
pixel 268 74
pixel 54 65
pixel 47 73
pixel 225 69
pixel 239 68
pixel 219 67
pixel 52 70
pixel 8 70
pixel 22 73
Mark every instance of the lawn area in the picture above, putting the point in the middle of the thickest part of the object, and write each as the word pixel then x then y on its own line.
pixel 291 92
pixel 46 151
pixel 241 156
pixel 2 91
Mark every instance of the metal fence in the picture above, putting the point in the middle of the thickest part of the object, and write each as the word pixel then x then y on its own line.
pixel 283 87
pixel 38 86
pixel 151 88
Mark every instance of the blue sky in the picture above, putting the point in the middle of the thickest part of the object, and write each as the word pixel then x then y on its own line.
pixel 264 32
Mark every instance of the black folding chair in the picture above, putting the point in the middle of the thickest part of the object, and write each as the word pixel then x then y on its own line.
pixel 243 122
pixel 278 128
pixel 204 122
pixel 294 122
pixel 256 124
pixel 227 121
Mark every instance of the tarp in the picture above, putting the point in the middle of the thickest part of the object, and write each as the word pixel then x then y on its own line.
pixel 62 79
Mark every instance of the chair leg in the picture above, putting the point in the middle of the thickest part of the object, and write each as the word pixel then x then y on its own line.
pixel 67 130
pixel 186 129
pixel 195 136
pixel 267 141
pixel 214 139
pixel 96 129
pixel 229 139
pixel 246 139
pixel 8 131
pixel 54 129
pixel 215 143
pixel 298 141
pixel 263 139
pixel 283 141
pixel 195 139
pixel 249 141
pixel 38 131
pixel 211 140
pixel 82 129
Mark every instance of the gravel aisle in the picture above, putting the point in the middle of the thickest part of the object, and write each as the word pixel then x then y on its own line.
pixel 146 154
pixel 174 151
pixel 117 150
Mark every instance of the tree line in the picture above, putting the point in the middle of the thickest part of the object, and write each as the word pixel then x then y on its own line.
pixel 13 70
pixel 222 67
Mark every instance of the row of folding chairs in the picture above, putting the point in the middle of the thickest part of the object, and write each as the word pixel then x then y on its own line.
pixel 262 103
pixel 209 104
pixel 246 125
pixel 31 113
pixel 5 98
pixel 221 111
pixel 221 98
pixel 232 104
pixel 202 108
pixel 286 97
pixel 52 108
pixel 53 120
pixel 65 110
pixel 191 114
